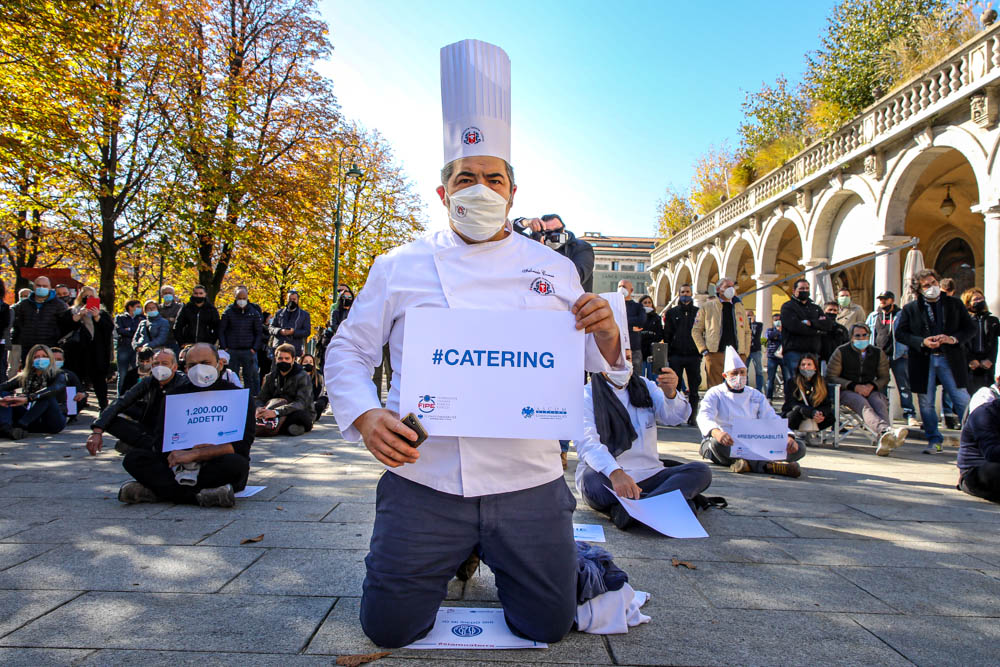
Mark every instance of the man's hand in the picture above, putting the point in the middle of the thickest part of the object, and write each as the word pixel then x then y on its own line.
pixel 264 413
pixel 80 396
pixel 863 389
pixel 287 332
pixel 667 380
pixel 932 342
pixel 987 364
pixel 179 456
pixel 624 485
pixel 793 446
pixel 387 438
pixel 95 443
pixel 15 401
pixel 535 224
pixel 974 364
pixel 722 437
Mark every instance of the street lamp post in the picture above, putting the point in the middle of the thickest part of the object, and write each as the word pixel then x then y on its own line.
pixel 353 172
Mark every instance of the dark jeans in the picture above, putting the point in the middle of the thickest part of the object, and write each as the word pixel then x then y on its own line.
pixel 718 453
pixel 132 433
pixel 773 367
pixel 100 382
pixel 901 374
pixel 246 361
pixel 982 482
pixel 300 417
pixel 320 404
pixel 44 416
pixel 126 362
pixel 690 478
pixel 691 367
pixel 790 364
pixel 150 469
pixel 421 536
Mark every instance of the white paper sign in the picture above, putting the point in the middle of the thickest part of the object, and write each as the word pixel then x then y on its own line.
pixel 204 418
pixel 70 401
pixel 588 532
pixel 472 628
pixel 667 513
pixel 494 374
pixel 249 491
pixel 759 439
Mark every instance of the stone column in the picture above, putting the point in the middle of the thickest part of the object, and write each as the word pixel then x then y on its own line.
pixel 991 258
pixel 889 268
pixel 813 277
pixel 763 294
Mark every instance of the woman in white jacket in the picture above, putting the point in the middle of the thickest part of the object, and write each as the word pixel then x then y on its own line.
pixel 619 450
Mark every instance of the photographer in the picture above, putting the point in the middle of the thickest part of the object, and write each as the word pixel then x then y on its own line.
pixel 551 230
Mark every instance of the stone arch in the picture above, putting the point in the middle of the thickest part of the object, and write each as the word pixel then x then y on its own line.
pixel 683 276
pixel 855 191
pixel 706 271
pixel 662 289
pixel 734 258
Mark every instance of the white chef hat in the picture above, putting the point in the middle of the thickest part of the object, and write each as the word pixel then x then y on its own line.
pixel 475 100
pixel 733 360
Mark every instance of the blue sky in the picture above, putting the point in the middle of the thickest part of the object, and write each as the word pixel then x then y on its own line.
pixel 611 101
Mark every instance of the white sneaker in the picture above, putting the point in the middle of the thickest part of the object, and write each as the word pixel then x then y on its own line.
pixel 899 434
pixel 886 443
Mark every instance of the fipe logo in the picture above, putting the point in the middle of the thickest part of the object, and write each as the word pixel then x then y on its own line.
pixel 174 437
pixel 466 630
pixel 426 404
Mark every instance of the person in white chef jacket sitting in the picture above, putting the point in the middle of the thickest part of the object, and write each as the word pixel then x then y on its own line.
pixel 504 499
pixel 619 450
pixel 732 400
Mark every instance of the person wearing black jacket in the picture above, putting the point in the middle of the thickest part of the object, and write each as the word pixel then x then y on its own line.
pixel 636 319
pixel 240 336
pixel 88 344
pixel 807 397
pixel 338 313
pixel 682 354
pixel 5 320
pixel 132 417
pixel 551 230
pixel 36 408
pixel 652 332
pixel 80 396
pixel 979 453
pixel 41 319
pixel 286 395
pixel 291 324
pixel 935 326
pixel 754 359
pixel 837 336
pixel 773 336
pixel 803 325
pixel 220 470
pixel 981 349
pixel 198 321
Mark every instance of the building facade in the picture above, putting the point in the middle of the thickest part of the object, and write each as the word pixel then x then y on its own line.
pixel 918 169
pixel 621 258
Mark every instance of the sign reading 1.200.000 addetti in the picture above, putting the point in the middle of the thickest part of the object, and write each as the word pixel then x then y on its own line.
pixel 204 418
pixel 494 374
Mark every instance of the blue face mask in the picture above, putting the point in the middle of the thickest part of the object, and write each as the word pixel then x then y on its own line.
pixel 153 313
pixel 59 363
pixel 137 311
pixel 42 363
pixel 860 344
pixel 685 299
pixel 41 292
pixel 167 298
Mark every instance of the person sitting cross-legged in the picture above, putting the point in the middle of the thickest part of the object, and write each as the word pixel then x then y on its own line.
pixel 36 408
pixel 207 475
pixel 722 405
pixel 979 447
pixel 285 401
pixel 132 417
pixel 618 450
pixel 808 403
pixel 80 397
pixel 862 371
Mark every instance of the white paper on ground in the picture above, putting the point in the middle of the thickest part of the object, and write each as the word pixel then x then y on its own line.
pixel 667 513
pixel 249 491
pixel 472 628
pixel 70 401
pixel 588 532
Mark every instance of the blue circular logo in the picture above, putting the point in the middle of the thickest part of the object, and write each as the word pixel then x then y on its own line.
pixel 466 630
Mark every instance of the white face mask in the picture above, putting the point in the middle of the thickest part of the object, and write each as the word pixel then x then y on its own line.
pixel 648 309
pixel 736 382
pixel 623 292
pixel 242 303
pixel 932 292
pixel 477 212
pixel 203 375
pixel 620 378
pixel 729 292
pixel 161 373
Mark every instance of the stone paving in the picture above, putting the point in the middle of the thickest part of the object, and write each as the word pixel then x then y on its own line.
pixel 863 560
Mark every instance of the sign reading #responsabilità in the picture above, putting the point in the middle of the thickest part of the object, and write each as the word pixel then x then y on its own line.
pixel 493 374
pixel 204 418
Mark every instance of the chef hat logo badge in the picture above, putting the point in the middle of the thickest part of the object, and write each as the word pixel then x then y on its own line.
pixel 472 136
pixel 460 211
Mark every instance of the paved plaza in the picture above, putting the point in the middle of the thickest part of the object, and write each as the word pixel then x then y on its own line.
pixel 863 560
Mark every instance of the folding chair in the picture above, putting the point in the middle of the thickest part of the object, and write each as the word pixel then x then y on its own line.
pixel 849 421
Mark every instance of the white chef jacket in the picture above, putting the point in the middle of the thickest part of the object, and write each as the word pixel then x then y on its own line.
pixel 642 461
pixel 720 407
pixel 440 270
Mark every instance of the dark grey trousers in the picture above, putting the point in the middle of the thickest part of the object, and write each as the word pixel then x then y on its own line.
pixel 716 452
pixel 421 536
